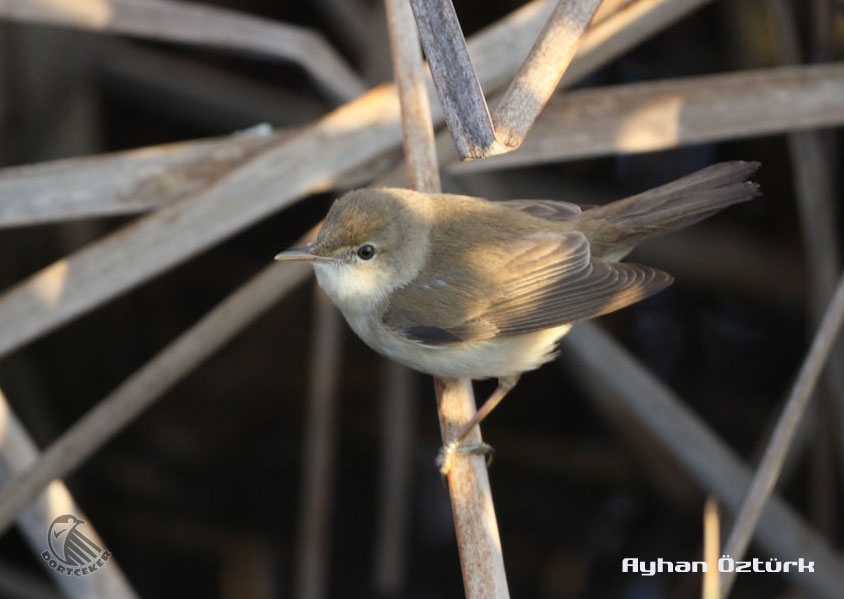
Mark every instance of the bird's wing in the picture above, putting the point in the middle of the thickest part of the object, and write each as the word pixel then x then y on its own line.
pixel 547 209
pixel 530 283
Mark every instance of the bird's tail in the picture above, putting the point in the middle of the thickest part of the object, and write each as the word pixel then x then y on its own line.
pixel 615 228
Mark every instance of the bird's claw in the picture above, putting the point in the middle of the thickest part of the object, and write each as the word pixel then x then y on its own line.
pixel 445 458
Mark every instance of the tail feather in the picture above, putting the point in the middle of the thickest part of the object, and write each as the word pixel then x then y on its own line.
pixel 616 227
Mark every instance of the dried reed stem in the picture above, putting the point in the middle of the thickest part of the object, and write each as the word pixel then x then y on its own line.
pixel 314 547
pixel 477 134
pixel 190 23
pixel 769 468
pixel 631 24
pixel 651 116
pixel 478 543
pixel 607 8
pixel 615 378
pixel 123 182
pixel 17 453
pixel 139 180
pixel 711 549
pixel 541 72
pixel 627 27
pixel 458 88
pixel 409 73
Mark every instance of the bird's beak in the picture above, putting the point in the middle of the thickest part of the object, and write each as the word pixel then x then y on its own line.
pixel 303 254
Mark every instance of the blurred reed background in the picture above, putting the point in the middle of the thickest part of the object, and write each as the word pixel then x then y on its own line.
pixel 232 485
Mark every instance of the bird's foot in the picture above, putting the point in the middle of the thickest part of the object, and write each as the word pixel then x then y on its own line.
pixel 446 456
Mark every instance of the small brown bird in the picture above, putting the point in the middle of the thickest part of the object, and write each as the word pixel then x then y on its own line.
pixel 457 286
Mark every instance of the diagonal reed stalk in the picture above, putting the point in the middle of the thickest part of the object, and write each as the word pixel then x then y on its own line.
pixel 190 23
pixel 616 380
pixel 144 387
pixel 769 468
pixel 17 453
pixel 476 133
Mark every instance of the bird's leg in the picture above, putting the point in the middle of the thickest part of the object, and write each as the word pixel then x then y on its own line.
pixel 505 384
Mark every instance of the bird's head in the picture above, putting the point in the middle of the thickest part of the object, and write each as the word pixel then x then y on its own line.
pixel 372 242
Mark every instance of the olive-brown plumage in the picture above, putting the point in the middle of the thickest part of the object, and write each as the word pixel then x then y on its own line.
pixel 457 286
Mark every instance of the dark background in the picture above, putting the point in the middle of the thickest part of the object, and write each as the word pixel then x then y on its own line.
pixel 200 496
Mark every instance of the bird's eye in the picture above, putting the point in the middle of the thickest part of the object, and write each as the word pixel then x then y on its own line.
pixel 366 252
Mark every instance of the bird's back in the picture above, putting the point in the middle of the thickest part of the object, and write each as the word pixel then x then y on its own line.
pixel 612 229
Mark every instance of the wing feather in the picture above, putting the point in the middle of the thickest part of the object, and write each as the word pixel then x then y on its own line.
pixel 540 281
pixel 547 209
